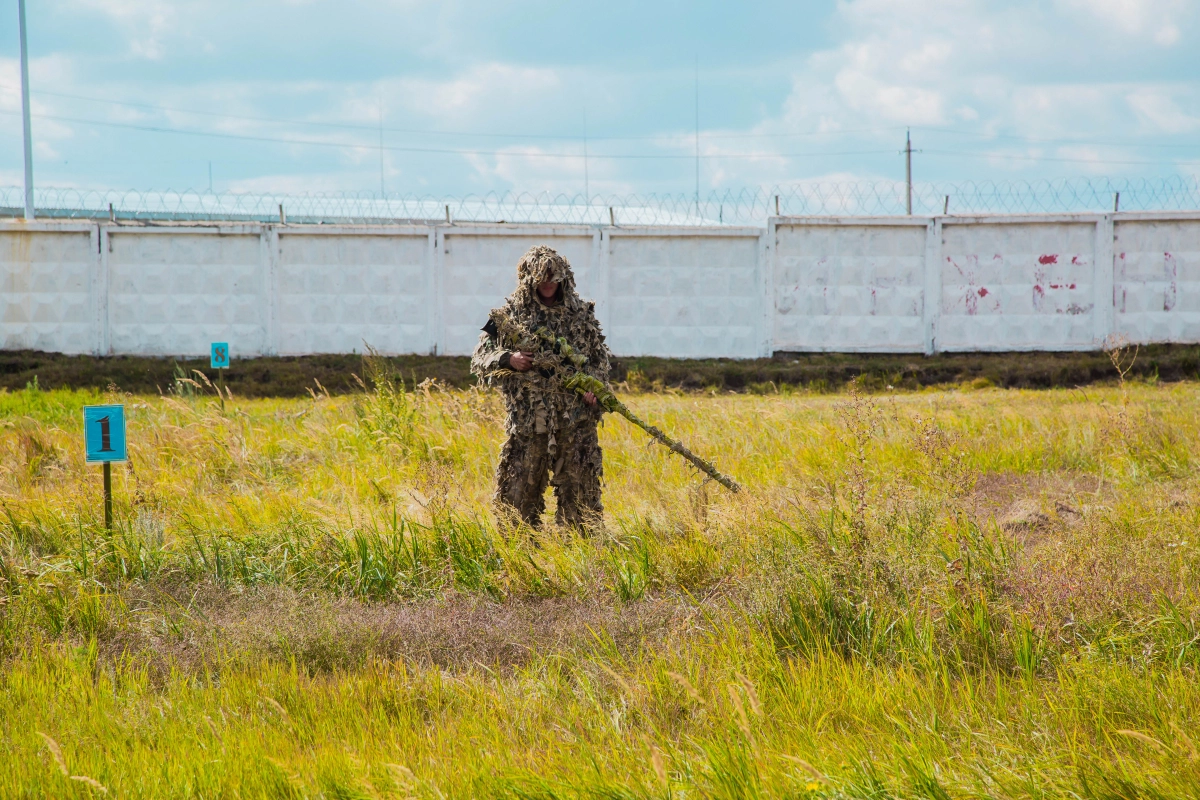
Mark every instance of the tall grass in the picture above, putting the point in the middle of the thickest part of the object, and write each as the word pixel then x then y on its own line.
pixel 934 594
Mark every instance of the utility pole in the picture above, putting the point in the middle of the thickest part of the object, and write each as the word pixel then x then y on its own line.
pixel 381 191
pixel 697 135
pixel 25 114
pixel 908 171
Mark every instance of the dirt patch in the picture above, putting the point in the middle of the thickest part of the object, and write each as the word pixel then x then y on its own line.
pixel 322 634
pixel 1024 502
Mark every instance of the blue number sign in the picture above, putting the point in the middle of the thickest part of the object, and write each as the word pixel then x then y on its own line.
pixel 220 355
pixel 104 433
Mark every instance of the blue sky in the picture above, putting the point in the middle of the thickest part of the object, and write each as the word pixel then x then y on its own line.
pixel 479 97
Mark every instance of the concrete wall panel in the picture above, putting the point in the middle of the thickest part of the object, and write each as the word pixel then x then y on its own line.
pixel 1156 281
pixel 672 295
pixel 849 287
pixel 174 293
pixel 45 291
pixel 1017 286
pixel 341 290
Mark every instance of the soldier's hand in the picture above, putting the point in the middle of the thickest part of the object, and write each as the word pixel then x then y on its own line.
pixel 521 362
pixel 589 398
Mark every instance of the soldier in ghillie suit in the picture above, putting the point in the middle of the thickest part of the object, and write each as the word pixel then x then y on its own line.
pixel 551 431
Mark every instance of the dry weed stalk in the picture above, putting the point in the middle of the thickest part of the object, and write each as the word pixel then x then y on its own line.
pixel 946 455
pixel 1123 357
pixel 862 419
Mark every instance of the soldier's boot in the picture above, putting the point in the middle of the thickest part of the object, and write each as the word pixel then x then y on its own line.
pixel 521 480
pixel 577 475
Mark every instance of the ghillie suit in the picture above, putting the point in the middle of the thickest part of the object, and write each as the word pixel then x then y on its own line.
pixel 551 431
pixel 569 366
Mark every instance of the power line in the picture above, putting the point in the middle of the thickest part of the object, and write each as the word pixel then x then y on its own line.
pixel 1063 159
pixel 612 156
pixel 1042 140
pixel 431 132
pixel 646 137
pixel 449 151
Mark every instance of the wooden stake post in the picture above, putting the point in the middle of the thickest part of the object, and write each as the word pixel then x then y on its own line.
pixel 104 443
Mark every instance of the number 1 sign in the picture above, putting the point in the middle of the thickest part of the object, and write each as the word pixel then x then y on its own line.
pixel 104 433
pixel 104 442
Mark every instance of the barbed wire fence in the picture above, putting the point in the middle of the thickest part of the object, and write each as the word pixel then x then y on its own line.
pixel 741 207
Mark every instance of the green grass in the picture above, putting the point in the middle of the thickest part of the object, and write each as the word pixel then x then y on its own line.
pixel 931 594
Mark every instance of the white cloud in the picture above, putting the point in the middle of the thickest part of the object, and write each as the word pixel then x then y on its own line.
pixel 477 91
pixel 558 170
pixel 1157 20
pixel 1023 78
pixel 300 183
pixel 52 69
pixel 146 23
pixel 1019 69
pixel 1159 110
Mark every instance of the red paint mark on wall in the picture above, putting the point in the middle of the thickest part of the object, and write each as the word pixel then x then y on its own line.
pixel 1050 259
pixel 1062 286
pixel 983 292
pixel 1075 259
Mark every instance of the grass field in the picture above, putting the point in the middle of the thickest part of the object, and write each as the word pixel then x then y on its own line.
pixel 929 594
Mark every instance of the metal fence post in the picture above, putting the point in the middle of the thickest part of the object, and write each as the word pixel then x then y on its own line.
pixel 1103 279
pixel 932 306
pixel 269 255
pixel 766 290
pixel 437 300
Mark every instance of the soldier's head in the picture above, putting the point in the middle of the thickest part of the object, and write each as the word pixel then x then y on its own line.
pixel 545 274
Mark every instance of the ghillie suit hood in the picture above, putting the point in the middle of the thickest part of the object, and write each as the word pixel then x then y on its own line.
pixel 538 265
pixel 534 400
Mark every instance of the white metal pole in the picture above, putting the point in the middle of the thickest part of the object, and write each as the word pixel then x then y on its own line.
pixel 25 115
pixel 697 135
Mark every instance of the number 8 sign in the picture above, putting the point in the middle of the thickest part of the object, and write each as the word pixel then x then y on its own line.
pixel 220 355
pixel 104 433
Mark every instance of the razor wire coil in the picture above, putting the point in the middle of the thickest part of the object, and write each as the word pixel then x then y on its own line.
pixel 726 207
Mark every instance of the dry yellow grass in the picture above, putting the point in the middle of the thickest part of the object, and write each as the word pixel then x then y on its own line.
pixel 931 594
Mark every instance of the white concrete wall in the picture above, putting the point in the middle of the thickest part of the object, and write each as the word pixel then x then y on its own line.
pixel 1017 285
pixel 842 285
pixel 683 292
pixel 339 291
pixel 47 300
pixel 1156 281
pixel 171 289
pixel 856 284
